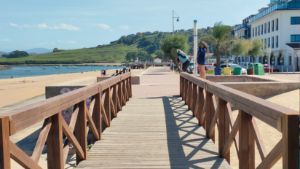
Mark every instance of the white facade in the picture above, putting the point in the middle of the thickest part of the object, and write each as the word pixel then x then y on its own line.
pixel 275 40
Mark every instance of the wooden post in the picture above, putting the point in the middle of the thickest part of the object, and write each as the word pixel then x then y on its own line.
pixel 194 100
pixel 223 128
pixel 246 143
pixel 191 96
pixel 209 114
pixel 114 98
pixel 200 105
pixel 290 138
pixel 4 143
pixel 55 143
pixel 127 89
pixel 188 94
pixel 107 105
pixel 181 86
pixel 120 94
pixel 97 115
pixel 130 87
pixel 186 86
pixel 183 89
pixel 80 130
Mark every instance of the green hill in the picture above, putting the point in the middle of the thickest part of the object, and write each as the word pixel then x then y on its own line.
pixel 115 52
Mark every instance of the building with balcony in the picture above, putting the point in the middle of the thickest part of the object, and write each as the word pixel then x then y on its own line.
pixel 278 28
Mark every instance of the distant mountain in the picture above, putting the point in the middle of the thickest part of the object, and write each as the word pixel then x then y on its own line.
pixel 1 53
pixel 38 51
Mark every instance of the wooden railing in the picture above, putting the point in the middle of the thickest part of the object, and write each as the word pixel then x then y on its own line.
pixel 212 104
pixel 93 108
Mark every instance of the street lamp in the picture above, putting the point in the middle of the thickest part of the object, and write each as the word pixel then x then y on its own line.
pixel 173 20
pixel 269 51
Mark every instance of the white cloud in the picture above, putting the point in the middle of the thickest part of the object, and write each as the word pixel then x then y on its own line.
pixel 62 26
pixel 124 27
pixel 104 26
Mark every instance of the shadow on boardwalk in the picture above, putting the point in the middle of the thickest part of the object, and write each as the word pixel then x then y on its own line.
pixel 187 144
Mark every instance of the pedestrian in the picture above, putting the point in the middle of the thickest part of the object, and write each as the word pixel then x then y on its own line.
pixel 201 58
pixel 184 59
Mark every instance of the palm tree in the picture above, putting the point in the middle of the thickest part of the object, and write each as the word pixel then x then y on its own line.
pixel 222 39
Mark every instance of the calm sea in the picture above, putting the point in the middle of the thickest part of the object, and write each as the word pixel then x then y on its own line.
pixel 26 71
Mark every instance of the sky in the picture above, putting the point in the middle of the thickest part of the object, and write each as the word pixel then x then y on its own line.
pixel 71 24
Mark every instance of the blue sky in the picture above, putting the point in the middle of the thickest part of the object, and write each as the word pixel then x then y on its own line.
pixel 69 24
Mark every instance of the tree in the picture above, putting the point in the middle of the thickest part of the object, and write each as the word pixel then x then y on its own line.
pixel 256 48
pixel 16 54
pixel 171 43
pixel 241 47
pixel 220 39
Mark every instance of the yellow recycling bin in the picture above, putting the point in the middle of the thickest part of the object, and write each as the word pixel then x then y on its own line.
pixel 227 71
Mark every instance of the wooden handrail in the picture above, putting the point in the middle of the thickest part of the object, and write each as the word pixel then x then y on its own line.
pixel 209 113
pixel 106 98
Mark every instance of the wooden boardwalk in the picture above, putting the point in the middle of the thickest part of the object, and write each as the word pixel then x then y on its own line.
pixel 154 130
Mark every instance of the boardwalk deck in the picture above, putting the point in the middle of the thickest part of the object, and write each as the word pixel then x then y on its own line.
pixel 154 130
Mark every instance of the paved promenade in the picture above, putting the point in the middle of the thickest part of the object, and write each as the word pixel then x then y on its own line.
pixel 154 130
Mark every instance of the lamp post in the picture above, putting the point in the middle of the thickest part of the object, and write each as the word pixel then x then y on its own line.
pixel 195 46
pixel 269 51
pixel 173 18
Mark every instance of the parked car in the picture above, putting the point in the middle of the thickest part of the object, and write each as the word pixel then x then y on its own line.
pixel 232 66
pixel 272 69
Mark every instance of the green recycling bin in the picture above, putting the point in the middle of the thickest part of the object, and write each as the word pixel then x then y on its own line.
pixel 259 69
pixel 237 71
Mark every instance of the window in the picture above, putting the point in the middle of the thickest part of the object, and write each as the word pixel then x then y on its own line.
pixel 265 28
pixel 258 30
pixel 255 31
pixel 295 38
pixel 290 60
pixel 273 24
pixel 277 24
pixel 262 29
pixel 295 20
pixel 268 42
pixel 269 26
pixel 277 41
pixel 273 42
pixel 265 43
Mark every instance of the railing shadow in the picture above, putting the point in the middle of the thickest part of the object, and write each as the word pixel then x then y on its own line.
pixel 187 144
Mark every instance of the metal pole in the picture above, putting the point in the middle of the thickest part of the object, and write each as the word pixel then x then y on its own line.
pixel 195 46
pixel 173 22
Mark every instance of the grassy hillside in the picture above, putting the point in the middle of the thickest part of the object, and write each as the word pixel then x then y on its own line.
pixel 104 54
pixel 115 52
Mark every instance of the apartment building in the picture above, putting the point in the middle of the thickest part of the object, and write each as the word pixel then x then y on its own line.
pixel 278 28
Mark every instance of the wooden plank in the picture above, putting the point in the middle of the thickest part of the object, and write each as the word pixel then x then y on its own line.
pixel 72 139
pixel 97 115
pixel 22 158
pixel 209 113
pixel 223 128
pixel 259 141
pixel 54 144
pixel 200 105
pixel 107 106
pixel 80 131
pixel 40 143
pixel 247 144
pixel 4 143
pixel 231 137
pixel 290 139
pixel 272 157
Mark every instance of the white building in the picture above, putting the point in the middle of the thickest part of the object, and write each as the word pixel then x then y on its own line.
pixel 278 27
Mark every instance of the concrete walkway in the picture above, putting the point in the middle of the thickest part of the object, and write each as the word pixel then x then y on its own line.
pixel 154 130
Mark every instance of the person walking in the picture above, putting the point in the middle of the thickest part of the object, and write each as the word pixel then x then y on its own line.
pixel 184 59
pixel 201 58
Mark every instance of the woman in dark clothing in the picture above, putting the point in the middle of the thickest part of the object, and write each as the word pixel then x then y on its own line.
pixel 201 58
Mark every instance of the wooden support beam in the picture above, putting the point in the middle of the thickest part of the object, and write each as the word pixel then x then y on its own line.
pixel 97 115
pixel 223 128
pixel 4 143
pixel 55 144
pixel 80 130
pixel 247 143
pixel 290 138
